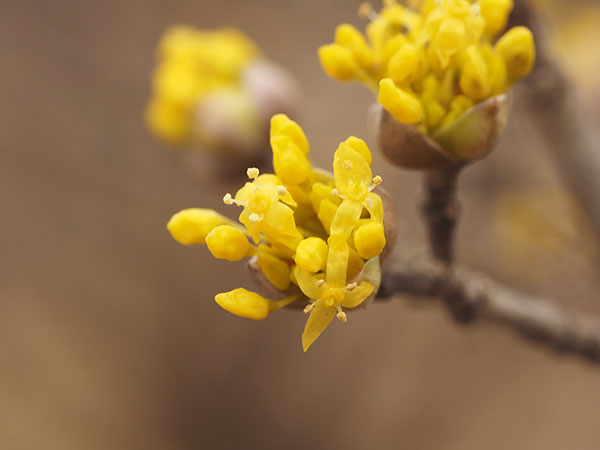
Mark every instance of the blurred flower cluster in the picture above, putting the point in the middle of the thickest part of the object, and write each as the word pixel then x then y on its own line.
pixel 212 90
pixel 313 238
pixel 432 64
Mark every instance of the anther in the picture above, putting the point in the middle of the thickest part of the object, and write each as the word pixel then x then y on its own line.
pixel 309 308
pixel 252 172
pixel 227 199
pixel 281 191
pixel 335 192
pixel 377 180
pixel 365 10
pixel 351 286
pixel 254 218
pixel 320 283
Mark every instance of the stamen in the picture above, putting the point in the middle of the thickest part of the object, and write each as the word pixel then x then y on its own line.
pixel 320 283
pixel 365 10
pixel 281 191
pixel 309 308
pixel 254 218
pixel 252 172
pixel 377 180
pixel 335 192
pixel 351 286
pixel 227 199
pixel 341 315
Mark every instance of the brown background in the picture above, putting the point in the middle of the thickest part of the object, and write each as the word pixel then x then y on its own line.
pixel 109 337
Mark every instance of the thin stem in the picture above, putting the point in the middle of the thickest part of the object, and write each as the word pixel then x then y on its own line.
pixel 440 210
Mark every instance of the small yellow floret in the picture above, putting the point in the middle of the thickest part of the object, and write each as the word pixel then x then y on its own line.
pixel 404 65
pixel 404 106
pixel 227 242
pixel 282 125
pixel 338 62
pixel 448 40
pixel 369 240
pixel 275 270
pixel 495 13
pixel 191 226
pixel 167 120
pixel 517 49
pixel 349 37
pixel 311 254
pixel 244 303
pixel 474 77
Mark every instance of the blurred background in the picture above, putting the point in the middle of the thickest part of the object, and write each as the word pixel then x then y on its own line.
pixel 109 335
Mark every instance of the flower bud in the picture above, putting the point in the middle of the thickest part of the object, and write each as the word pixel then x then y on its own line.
pixel 338 62
pixel 227 242
pixel 191 226
pixel 311 254
pixel 405 107
pixel 244 303
pixel 369 239
pixel 517 49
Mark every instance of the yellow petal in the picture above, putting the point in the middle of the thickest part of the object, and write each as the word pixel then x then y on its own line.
pixel 346 218
pixel 275 270
pixel 361 147
pixel 374 205
pixel 191 226
pixel 279 226
pixel 308 283
pixel 319 318
pixel 356 296
pixel 327 211
pixel 244 303
pixel 352 173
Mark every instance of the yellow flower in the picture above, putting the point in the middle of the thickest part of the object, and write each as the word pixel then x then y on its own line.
pixel 192 66
pixel 419 61
pixel 308 233
pixel 328 302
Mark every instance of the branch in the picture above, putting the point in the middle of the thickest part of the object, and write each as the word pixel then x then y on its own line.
pixel 570 136
pixel 472 296
pixel 440 210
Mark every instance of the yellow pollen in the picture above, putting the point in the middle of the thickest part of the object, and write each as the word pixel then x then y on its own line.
pixel 227 199
pixel 254 218
pixel 252 172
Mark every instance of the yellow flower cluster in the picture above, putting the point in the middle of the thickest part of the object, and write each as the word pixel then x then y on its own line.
pixel 429 66
pixel 311 233
pixel 192 65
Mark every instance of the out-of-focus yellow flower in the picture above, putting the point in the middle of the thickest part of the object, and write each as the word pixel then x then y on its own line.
pixel 419 61
pixel 192 64
pixel 311 233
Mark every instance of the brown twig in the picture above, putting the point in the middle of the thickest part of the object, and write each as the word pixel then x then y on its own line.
pixel 571 138
pixel 440 209
pixel 483 299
